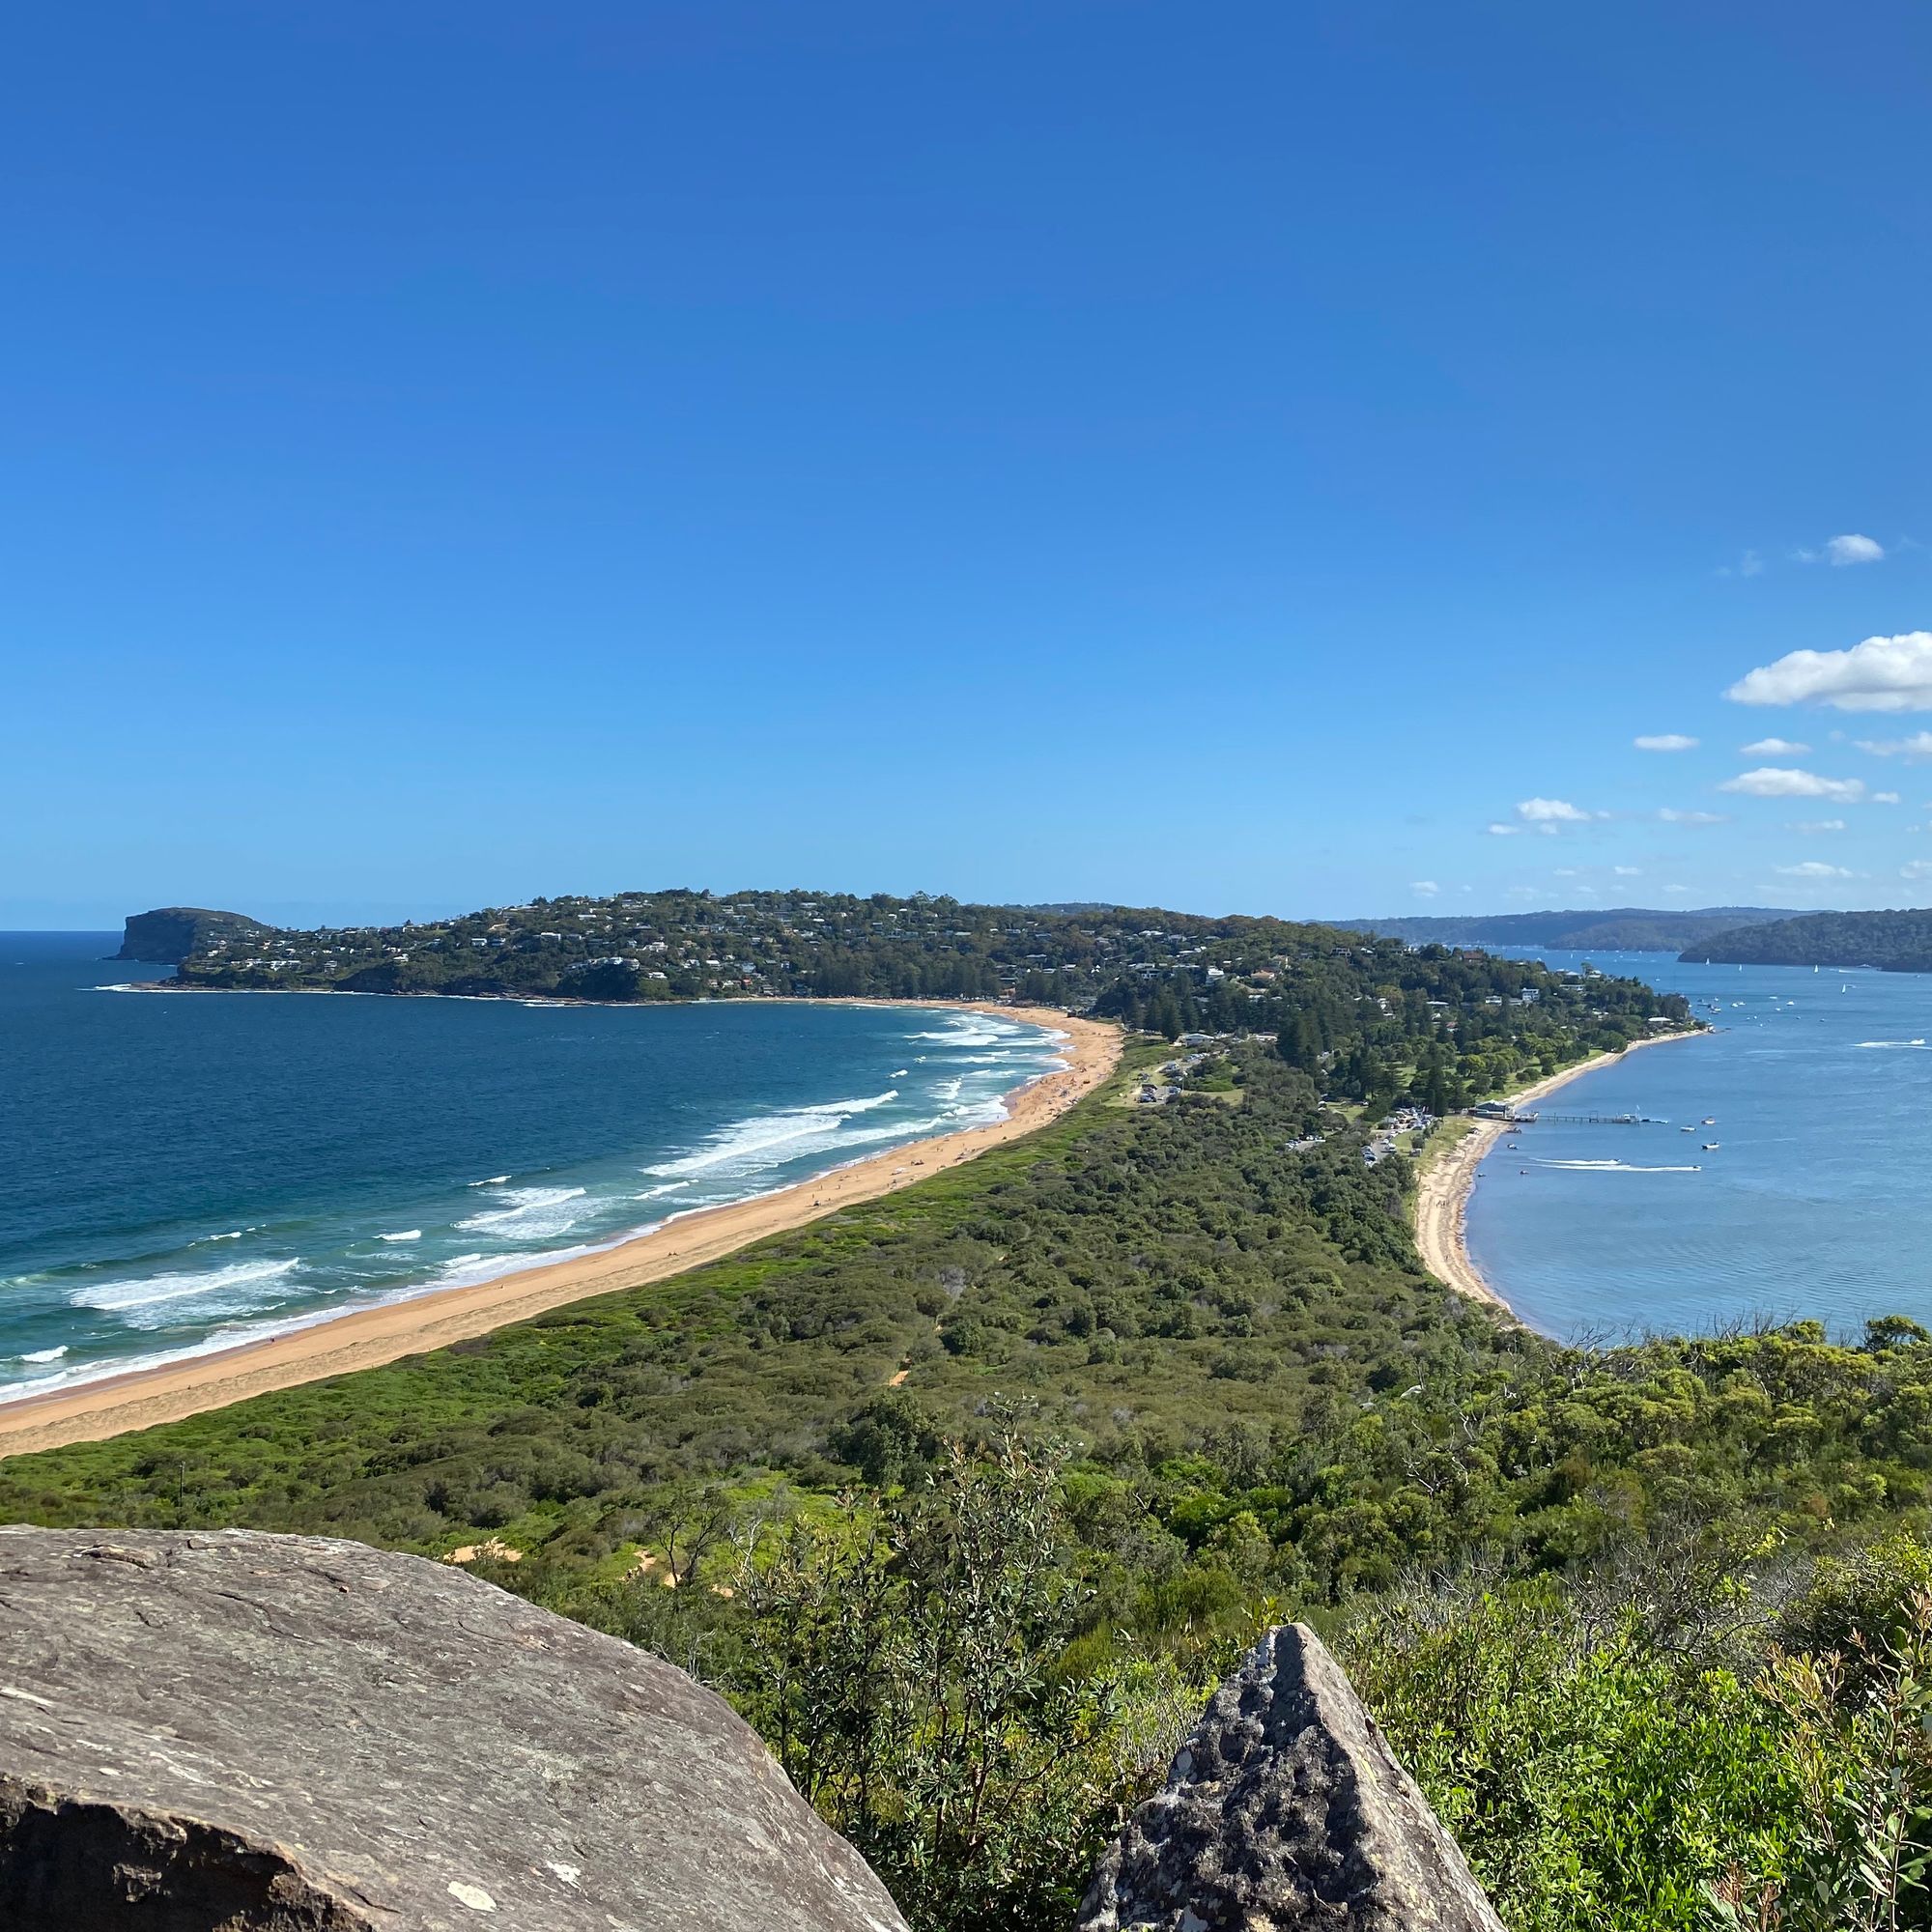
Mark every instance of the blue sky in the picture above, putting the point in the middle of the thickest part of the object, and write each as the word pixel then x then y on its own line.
pixel 1229 457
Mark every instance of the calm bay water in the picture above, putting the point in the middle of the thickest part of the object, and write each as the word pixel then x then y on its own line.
pixel 1812 1204
pixel 179 1172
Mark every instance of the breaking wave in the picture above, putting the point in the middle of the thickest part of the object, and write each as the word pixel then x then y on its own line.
pixel 119 1297
pixel 531 1215
pixel 770 1140
pixel 137 1309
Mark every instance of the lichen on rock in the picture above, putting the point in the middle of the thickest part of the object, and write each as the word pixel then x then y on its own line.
pixel 1286 1811
pixel 233 1732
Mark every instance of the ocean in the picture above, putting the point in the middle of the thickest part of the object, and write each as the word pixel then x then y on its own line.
pixel 1817 1090
pixel 181 1173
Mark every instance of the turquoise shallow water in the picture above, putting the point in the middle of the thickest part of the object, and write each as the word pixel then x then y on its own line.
pixel 179 1172
pixel 1814 1202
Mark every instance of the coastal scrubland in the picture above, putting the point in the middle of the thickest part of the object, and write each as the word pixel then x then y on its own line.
pixel 966 1494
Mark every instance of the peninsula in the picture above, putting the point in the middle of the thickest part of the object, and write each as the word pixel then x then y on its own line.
pixel 1365 1026
pixel 1129 1377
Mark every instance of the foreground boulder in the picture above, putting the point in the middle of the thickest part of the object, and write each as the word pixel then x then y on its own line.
pixel 241 1733
pixel 1285 1810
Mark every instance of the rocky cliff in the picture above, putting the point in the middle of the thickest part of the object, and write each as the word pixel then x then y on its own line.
pixel 167 935
pixel 1286 1811
pixel 233 1732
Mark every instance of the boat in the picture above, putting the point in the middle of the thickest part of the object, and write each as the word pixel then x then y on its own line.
pixel 1709 1121
pixel 1686 1130
pixel 1711 1146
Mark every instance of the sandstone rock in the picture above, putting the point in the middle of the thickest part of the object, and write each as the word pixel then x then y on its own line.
pixel 233 1732
pixel 1285 1810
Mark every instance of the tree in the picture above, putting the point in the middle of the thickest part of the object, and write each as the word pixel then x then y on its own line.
pixel 902 1663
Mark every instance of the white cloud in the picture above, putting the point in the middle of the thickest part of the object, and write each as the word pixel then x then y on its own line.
pixel 1551 812
pixel 1784 782
pixel 1916 868
pixel 1774 748
pixel 1628 871
pixel 1819 825
pixel 1815 868
pixel 1885 798
pixel 1424 889
pixel 1521 892
pixel 1566 871
pixel 1918 745
pixel 1880 674
pixel 1751 564
pixel 1677 889
pixel 1670 815
pixel 1854 549
pixel 1504 831
pixel 1665 741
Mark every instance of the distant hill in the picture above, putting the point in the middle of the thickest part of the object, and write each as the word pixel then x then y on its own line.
pixel 169 935
pixel 1895 940
pixel 1605 929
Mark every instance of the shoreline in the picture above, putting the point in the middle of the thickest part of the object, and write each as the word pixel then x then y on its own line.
pixel 1443 1193
pixel 367 1338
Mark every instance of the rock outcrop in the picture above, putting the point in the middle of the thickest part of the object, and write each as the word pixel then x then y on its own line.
pixel 1286 1810
pixel 233 1732
pixel 167 935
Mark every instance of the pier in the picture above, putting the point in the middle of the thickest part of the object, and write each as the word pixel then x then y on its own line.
pixel 1579 1120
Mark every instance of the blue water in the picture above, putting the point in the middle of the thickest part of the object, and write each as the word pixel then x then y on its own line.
pixel 182 1172
pixel 1812 1204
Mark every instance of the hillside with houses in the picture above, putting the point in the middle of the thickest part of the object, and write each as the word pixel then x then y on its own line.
pixel 1375 1018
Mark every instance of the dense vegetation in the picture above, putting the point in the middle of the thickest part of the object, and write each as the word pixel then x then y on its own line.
pixel 1605 929
pixel 966 1494
pixel 693 945
pixel 1228 974
pixel 1897 942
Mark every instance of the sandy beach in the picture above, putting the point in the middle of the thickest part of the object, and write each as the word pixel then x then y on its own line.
pixel 1442 1194
pixel 115 1404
